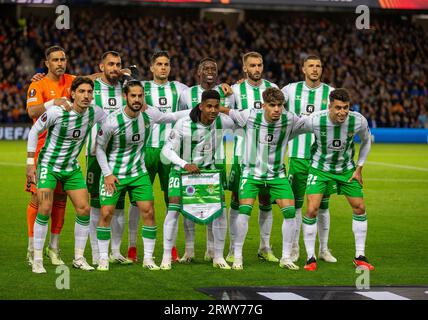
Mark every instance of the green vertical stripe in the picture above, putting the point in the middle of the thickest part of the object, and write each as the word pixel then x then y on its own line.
pixel 174 96
pixel 278 158
pixel 135 130
pixel 267 84
pixel 90 123
pixel 324 100
pixel 336 154
pixel 73 143
pixel 349 142
pixel 194 141
pixel 195 96
pixel 122 143
pixel 323 142
pixel 257 97
pixel 222 96
pixel 297 110
pixel 61 137
pixel 244 98
pixel 162 126
pixel 308 136
pixel 255 144
pixel 148 93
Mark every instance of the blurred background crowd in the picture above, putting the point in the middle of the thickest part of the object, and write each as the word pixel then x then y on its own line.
pixel 385 68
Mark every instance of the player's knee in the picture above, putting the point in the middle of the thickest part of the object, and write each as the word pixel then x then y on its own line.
pixel 311 211
pixel 359 208
pixel 148 214
pixel 245 209
pixel 83 209
pixel 288 212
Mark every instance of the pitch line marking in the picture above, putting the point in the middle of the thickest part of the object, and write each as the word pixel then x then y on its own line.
pixel 282 296
pixel 382 295
pixel 392 165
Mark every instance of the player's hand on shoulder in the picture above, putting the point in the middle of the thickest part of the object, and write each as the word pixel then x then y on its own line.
pixel 110 183
pixel 63 103
pixel 227 89
pixel 37 77
pixel 192 168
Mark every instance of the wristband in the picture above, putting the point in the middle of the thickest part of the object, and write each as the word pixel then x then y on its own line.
pixel 30 161
pixel 49 104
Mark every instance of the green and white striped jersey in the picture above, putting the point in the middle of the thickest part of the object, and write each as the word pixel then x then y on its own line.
pixel 121 141
pixel 302 99
pixel 193 142
pixel 334 143
pixel 167 98
pixel 247 96
pixel 265 143
pixel 109 98
pixel 66 136
pixel 193 96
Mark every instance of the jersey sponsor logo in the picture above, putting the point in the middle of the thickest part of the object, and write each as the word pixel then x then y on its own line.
pixel 112 102
pixel 165 109
pixel 136 137
pixel 32 93
pixel 100 132
pixel 266 139
pixel 190 190
pixel 336 145
pixel 310 108
pixel 163 101
pixel 52 93
pixel 76 133
pixel 31 100
pixel 44 117
pixel 257 104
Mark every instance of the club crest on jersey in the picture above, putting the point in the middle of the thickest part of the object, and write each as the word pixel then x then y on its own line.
pixel 112 102
pixel 310 108
pixel 210 189
pixel 190 190
pixel 162 101
pixel 44 117
pixel 136 137
pixel 32 93
pixel 100 132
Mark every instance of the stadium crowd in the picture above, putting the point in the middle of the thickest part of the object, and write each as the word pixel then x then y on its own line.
pixel 384 68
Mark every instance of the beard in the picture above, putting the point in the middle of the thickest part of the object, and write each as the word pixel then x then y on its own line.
pixel 135 107
pixel 254 76
pixel 112 79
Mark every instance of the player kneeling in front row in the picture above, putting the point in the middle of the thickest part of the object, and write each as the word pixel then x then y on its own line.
pixel 267 133
pixel 194 144
pixel 120 153
pixel 333 161
pixel 58 162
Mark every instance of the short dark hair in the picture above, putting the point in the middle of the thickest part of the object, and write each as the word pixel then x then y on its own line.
pixel 49 50
pixel 207 59
pixel 310 57
pixel 111 52
pixel 131 83
pixel 340 94
pixel 273 95
pixel 210 94
pixel 78 81
pixel 157 54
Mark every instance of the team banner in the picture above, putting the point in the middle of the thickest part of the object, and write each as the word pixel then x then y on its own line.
pixel 201 196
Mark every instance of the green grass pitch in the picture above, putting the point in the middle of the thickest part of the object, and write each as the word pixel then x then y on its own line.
pixel 396 191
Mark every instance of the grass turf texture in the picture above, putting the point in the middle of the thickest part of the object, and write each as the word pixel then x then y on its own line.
pixel 396 197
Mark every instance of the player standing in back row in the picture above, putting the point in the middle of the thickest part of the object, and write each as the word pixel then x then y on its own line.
pixel 249 95
pixel 306 97
pixel 109 97
pixel 166 96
